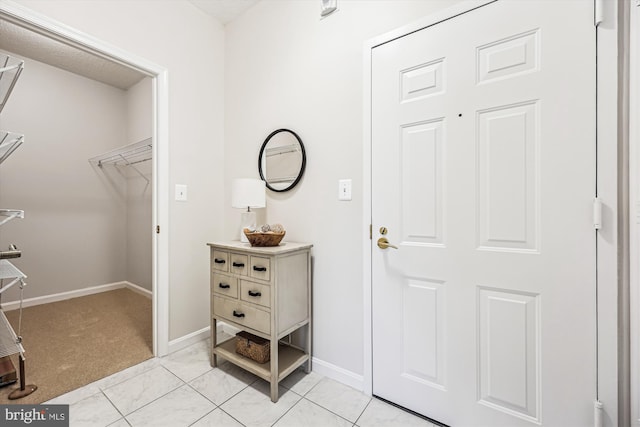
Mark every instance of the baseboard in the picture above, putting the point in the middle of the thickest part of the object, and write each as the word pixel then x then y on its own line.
pixel 189 339
pixel 29 302
pixel 138 289
pixel 202 334
pixel 338 374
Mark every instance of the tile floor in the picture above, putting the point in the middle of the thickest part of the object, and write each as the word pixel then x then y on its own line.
pixel 182 389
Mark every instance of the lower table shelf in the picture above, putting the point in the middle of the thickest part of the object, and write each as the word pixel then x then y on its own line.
pixel 289 358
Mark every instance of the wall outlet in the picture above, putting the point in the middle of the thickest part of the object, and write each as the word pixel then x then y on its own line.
pixel 344 189
pixel 181 192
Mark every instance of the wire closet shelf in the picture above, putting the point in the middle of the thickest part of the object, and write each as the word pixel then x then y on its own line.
pixel 10 214
pixel 10 69
pixel 9 142
pixel 129 155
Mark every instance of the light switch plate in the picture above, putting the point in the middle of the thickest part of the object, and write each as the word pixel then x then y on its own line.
pixel 181 192
pixel 344 189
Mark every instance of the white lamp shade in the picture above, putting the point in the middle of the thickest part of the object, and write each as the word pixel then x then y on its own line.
pixel 248 193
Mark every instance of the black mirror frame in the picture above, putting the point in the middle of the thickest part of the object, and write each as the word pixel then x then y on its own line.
pixel 302 167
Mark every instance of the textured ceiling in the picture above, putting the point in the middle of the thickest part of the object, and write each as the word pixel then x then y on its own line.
pixel 26 43
pixel 224 10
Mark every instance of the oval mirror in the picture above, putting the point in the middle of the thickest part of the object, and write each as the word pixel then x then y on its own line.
pixel 282 160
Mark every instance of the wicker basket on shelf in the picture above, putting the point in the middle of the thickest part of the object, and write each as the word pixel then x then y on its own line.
pixel 253 347
pixel 269 238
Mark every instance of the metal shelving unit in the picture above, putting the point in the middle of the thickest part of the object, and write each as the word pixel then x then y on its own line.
pixel 10 342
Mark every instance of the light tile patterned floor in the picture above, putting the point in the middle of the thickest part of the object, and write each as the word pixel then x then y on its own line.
pixel 182 389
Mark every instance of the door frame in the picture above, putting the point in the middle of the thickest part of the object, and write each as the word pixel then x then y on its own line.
pixel 608 345
pixel 634 211
pixel 46 26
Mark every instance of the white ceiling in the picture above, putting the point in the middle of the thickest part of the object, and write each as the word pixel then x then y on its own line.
pixel 27 43
pixel 224 10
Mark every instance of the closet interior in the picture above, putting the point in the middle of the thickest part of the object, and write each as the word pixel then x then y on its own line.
pixel 82 183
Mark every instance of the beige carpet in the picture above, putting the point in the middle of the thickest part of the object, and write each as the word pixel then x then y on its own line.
pixel 72 343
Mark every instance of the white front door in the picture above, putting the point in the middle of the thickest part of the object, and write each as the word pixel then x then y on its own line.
pixel 483 173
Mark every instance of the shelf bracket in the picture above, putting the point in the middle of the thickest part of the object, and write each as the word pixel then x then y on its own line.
pixel 132 166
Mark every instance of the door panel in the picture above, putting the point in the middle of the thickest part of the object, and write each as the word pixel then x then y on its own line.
pixel 483 172
pixel 421 183
pixel 509 356
pixel 507 176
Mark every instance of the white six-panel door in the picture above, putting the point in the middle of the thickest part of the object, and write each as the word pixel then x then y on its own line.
pixel 483 173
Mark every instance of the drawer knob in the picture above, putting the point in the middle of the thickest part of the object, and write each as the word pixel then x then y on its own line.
pixel 224 285
pixel 219 261
pixel 256 268
pixel 255 294
pixel 238 314
pixel 238 264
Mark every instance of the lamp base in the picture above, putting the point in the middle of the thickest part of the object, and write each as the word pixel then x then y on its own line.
pixel 247 220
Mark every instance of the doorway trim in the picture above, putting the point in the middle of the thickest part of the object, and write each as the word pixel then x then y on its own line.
pixel 634 214
pixel 48 27
pixel 608 345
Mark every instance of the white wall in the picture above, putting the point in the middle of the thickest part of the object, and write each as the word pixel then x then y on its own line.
pixel 190 44
pixel 139 191
pixel 139 110
pixel 72 234
pixel 285 67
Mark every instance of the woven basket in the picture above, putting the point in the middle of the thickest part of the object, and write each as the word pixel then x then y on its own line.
pixel 264 239
pixel 253 347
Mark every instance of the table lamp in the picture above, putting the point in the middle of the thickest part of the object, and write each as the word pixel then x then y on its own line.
pixel 247 193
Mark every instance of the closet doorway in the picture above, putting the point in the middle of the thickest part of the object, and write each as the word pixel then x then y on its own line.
pixel 39 30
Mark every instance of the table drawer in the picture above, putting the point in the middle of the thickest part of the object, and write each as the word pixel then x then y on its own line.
pixel 225 285
pixel 242 314
pixel 220 261
pixel 255 293
pixel 260 267
pixel 239 264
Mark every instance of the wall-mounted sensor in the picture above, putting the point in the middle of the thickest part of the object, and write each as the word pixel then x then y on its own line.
pixel 328 7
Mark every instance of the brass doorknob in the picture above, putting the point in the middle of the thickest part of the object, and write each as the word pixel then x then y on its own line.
pixel 383 243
